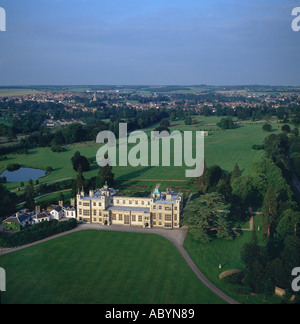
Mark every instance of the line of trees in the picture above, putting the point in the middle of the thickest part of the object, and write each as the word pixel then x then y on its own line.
pixel 36 232
pixel 271 264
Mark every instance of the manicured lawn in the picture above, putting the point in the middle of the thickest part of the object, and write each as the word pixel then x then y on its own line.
pixel 223 148
pixel 102 267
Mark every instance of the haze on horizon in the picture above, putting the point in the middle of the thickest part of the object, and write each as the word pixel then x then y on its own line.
pixel 143 42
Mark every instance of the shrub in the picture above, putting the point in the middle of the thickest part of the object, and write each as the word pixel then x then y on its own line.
pixel 13 167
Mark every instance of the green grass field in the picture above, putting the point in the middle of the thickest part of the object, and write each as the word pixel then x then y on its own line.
pixel 223 148
pixel 104 268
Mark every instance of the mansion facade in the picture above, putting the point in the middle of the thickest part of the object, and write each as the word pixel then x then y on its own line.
pixel 106 207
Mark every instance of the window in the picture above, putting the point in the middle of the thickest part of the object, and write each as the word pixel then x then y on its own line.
pixel 140 218
pixel 94 204
pixel 133 218
pixel 86 204
pixel 94 213
pixel 114 217
pixel 168 218
pixel 80 211
pixel 99 204
pixel 154 215
pixel 159 207
pixel 136 202
pixel 175 217
pixel 120 217
pixel 86 213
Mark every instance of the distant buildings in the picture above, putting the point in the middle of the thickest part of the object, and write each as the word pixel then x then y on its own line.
pixel 62 122
pixel 26 218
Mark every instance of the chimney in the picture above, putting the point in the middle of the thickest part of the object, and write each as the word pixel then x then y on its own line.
pixel 61 204
pixel 91 193
pixel 72 202
pixel 37 209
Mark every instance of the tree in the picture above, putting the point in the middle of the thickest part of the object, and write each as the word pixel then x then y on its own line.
pixel 206 218
pixel 269 212
pixel 162 128
pixel 165 122
pixel 105 175
pixel 29 196
pixel 75 157
pixel 250 189
pixel 7 201
pixel 288 224
pixel 253 257
pixel 236 173
pixel 80 181
pixel 79 160
pixel 202 182
pixel 215 174
pixel 267 127
pixel 286 128
pixel 226 123
pixel 188 120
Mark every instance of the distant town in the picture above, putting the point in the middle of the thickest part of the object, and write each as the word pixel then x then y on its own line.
pixel 197 98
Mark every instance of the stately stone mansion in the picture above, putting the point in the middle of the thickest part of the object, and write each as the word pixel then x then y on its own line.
pixel 106 207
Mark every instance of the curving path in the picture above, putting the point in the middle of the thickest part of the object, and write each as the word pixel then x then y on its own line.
pixel 175 236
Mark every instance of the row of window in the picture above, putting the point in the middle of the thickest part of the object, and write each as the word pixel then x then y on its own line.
pixel 127 221
pixel 168 217
pixel 126 218
pixel 168 208
pixel 130 202
pixel 139 218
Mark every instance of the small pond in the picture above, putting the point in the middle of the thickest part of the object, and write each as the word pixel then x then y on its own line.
pixel 23 174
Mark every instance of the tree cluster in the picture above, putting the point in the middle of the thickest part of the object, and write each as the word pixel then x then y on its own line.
pixel 36 232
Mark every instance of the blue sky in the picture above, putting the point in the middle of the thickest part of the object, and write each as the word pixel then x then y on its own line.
pixel 149 42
